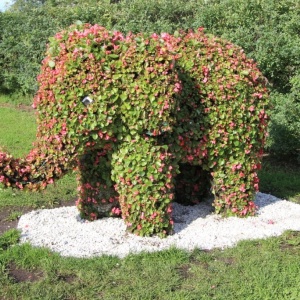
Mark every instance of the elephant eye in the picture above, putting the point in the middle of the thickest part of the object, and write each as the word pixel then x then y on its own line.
pixel 87 100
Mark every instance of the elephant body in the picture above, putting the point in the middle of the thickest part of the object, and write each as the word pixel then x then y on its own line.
pixel 145 119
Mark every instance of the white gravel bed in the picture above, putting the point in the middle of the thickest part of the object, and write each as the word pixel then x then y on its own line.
pixel 63 231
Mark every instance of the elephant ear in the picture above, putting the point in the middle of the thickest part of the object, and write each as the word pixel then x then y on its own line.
pixel 150 84
pixel 79 95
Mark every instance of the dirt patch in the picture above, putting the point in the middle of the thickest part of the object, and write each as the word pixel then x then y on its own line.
pixel 68 278
pixel 18 274
pixel 228 261
pixel 26 108
pixel 6 222
pixel 291 241
pixel 184 270
pixel 22 107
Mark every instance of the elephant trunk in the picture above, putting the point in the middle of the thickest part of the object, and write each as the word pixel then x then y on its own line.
pixel 34 172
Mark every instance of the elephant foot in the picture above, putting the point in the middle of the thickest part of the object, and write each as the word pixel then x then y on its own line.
pixel 93 211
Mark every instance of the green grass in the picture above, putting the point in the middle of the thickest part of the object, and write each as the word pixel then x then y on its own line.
pixel 261 269
pixel 17 130
pixel 63 190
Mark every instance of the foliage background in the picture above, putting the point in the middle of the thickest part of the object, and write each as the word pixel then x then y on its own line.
pixel 268 30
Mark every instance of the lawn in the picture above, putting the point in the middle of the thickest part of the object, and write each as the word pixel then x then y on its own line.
pixel 261 269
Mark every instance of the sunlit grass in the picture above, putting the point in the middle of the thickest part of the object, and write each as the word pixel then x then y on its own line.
pixel 17 130
pixel 261 269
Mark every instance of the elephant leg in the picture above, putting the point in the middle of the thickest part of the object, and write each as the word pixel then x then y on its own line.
pixel 234 188
pixel 97 196
pixel 144 174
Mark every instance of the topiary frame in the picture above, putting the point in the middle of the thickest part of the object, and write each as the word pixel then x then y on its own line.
pixel 129 113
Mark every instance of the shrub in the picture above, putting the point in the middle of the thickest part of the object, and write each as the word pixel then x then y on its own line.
pixel 137 107
pixel 285 124
pixel 267 30
pixel 25 30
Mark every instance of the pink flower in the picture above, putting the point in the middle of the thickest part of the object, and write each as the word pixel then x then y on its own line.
pixel 177 87
pixel 165 36
pixel 154 36
pixel 171 196
pixel 19 185
pixel 236 167
pixel 153 215
pixel 258 95
pixel 116 211
pixel 242 188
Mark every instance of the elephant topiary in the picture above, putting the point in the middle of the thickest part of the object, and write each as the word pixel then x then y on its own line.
pixel 145 119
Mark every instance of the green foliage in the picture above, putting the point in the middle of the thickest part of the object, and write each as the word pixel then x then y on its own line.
pixel 144 176
pixel 267 30
pixel 285 124
pixel 154 101
pixel 229 142
pixel 25 30
pixel 192 184
pixel 21 50
pixel 97 196
pixel 153 16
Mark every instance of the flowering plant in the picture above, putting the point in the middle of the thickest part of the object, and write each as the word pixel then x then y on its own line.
pixel 130 113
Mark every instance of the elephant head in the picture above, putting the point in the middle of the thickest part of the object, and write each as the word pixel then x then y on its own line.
pixel 96 89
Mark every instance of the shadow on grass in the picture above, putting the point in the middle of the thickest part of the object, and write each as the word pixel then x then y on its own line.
pixel 280 179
